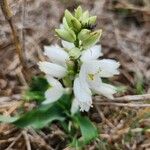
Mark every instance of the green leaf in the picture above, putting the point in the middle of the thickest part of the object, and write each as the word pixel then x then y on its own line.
pixel 65 102
pixel 37 118
pixel 38 86
pixel 88 130
pixel 7 119
pixel 34 95
pixel 42 115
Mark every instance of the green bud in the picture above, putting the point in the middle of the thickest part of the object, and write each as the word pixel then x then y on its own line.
pixel 92 20
pixel 85 15
pixel 68 17
pixel 65 24
pixel 84 18
pixel 75 53
pixel 66 34
pixel 72 21
pixel 92 39
pixel 67 81
pixel 84 34
pixel 78 12
pixel 76 24
pixel 70 66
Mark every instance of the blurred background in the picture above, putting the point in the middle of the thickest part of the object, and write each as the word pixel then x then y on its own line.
pixel 126 38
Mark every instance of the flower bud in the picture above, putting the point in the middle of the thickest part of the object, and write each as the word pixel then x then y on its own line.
pixel 78 12
pixel 75 53
pixel 67 35
pixel 76 25
pixel 68 17
pixel 84 17
pixel 85 33
pixel 70 64
pixel 65 24
pixel 72 21
pixel 92 39
pixel 92 20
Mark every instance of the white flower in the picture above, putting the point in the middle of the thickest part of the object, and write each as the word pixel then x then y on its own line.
pixel 83 97
pixel 56 54
pixel 91 54
pixel 89 81
pixel 57 66
pixel 54 92
pixel 52 69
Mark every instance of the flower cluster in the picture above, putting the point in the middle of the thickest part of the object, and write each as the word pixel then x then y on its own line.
pixel 76 65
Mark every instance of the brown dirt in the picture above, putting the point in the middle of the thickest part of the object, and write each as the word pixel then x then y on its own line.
pixel 126 31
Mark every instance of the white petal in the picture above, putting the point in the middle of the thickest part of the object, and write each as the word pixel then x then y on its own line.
pixel 95 83
pixel 54 92
pixel 106 89
pixel 85 106
pixel 91 54
pixel 83 77
pixel 74 106
pixel 91 67
pixel 108 67
pixel 84 98
pixel 56 54
pixel 104 67
pixel 67 45
pixel 52 69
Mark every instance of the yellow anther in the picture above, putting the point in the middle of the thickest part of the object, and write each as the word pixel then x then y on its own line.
pixel 91 76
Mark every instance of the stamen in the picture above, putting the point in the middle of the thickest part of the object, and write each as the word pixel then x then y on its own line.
pixel 91 76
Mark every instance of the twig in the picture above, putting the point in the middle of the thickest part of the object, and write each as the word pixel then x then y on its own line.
pixel 124 5
pixel 23 24
pixel 8 16
pixel 4 99
pixel 123 104
pixel 142 97
pixel 119 133
pixel 36 138
pixel 6 141
pixel 16 139
pixel 28 145
pixel 10 104
pixel 128 98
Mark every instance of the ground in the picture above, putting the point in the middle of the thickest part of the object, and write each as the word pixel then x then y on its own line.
pixel 125 38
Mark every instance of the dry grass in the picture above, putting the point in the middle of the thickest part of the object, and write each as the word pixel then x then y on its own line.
pixel 125 38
